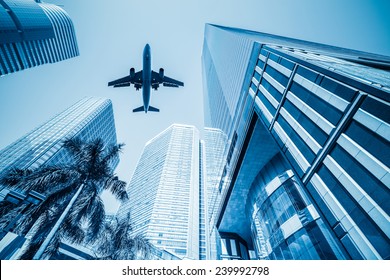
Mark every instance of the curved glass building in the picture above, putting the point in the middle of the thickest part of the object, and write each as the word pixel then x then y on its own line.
pixel 34 33
pixel 306 174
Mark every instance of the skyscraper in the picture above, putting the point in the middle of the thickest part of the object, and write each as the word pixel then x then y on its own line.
pixel 88 119
pixel 306 172
pixel 214 153
pixel 164 192
pixel 34 33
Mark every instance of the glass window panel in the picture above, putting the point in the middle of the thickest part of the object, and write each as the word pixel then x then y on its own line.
pixel 273 91
pixel 244 252
pixel 378 191
pixel 370 141
pixel 264 52
pixel 283 80
pixel 327 214
pixel 364 222
pixel 287 63
pixel 299 143
pixel 317 133
pixel 294 163
pixel 323 108
pixel 233 247
pixel 260 63
pixel 267 104
pixel 253 87
pixel 257 76
pixel 343 91
pixel 274 57
pixel 308 74
pixel 376 108
pixel 224 247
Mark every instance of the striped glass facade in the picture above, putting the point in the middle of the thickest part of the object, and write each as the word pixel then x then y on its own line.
pixel 213 161
pixel 202 206
pixel 34 33
pixel 164 192
pixel 88 119
pixel 308 146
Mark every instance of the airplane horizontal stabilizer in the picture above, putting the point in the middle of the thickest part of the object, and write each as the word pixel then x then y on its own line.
pixel 152 109
pixel 170 85
pixel 139 109
pixel 122 85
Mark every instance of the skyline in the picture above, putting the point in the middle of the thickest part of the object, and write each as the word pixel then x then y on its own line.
pixel 175 48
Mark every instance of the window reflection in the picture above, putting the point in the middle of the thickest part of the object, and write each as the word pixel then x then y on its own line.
pixel 284 223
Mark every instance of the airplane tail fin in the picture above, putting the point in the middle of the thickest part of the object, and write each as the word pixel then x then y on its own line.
pixel 153 109
pixel 139 109
pixel 142 108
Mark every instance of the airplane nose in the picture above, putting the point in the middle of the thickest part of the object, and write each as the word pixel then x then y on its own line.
pixel 147 46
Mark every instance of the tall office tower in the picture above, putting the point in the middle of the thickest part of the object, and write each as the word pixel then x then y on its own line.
pixel 213 161
pixel 306 174
pixel 203 244
pixel 164 192
pixel 34 33
pixel 88 119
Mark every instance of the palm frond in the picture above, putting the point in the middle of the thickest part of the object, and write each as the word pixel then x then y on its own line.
pixel 5 207
pixel 49 204
pixel 30 251
pixel 74 146
pixel 117 188
pixel 42 179
pixel 96 219
pixel 79 209
pixel 10 213
pixel 39 232
pixel 112 152
pixel 54 246
pixel 94 151
pixel 73 231
pixel 14 176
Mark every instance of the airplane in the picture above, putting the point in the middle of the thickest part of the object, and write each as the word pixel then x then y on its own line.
pixel 146 79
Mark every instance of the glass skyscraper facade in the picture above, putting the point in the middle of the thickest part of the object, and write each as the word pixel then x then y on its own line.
pixel 88 119
pixel 34 33
pixel 306 172
pixel 214 150
pixel 164 192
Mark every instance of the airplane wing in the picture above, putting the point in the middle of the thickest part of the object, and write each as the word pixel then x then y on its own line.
pixel 128 80
pixel 166 81
pixel 169 82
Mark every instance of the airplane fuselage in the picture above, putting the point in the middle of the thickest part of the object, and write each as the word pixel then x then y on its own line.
pixel 147 80
pixel 147 77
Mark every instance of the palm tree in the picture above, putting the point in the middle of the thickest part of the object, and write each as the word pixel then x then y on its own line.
pixel 117 242
pixel 73 208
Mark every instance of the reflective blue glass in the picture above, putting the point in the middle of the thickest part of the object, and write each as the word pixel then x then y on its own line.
pixel 317 133
pixel 273 91
pixel 276 75
pixel 370 141
pixel 343 91
pixel 323 108
pixel 374 188
pixel 377 238
pixel 301 145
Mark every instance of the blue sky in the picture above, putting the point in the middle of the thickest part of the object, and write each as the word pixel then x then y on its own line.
pixel 112 34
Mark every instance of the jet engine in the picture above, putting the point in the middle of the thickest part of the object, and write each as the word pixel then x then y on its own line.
pixel 161 73
pixel 132 72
